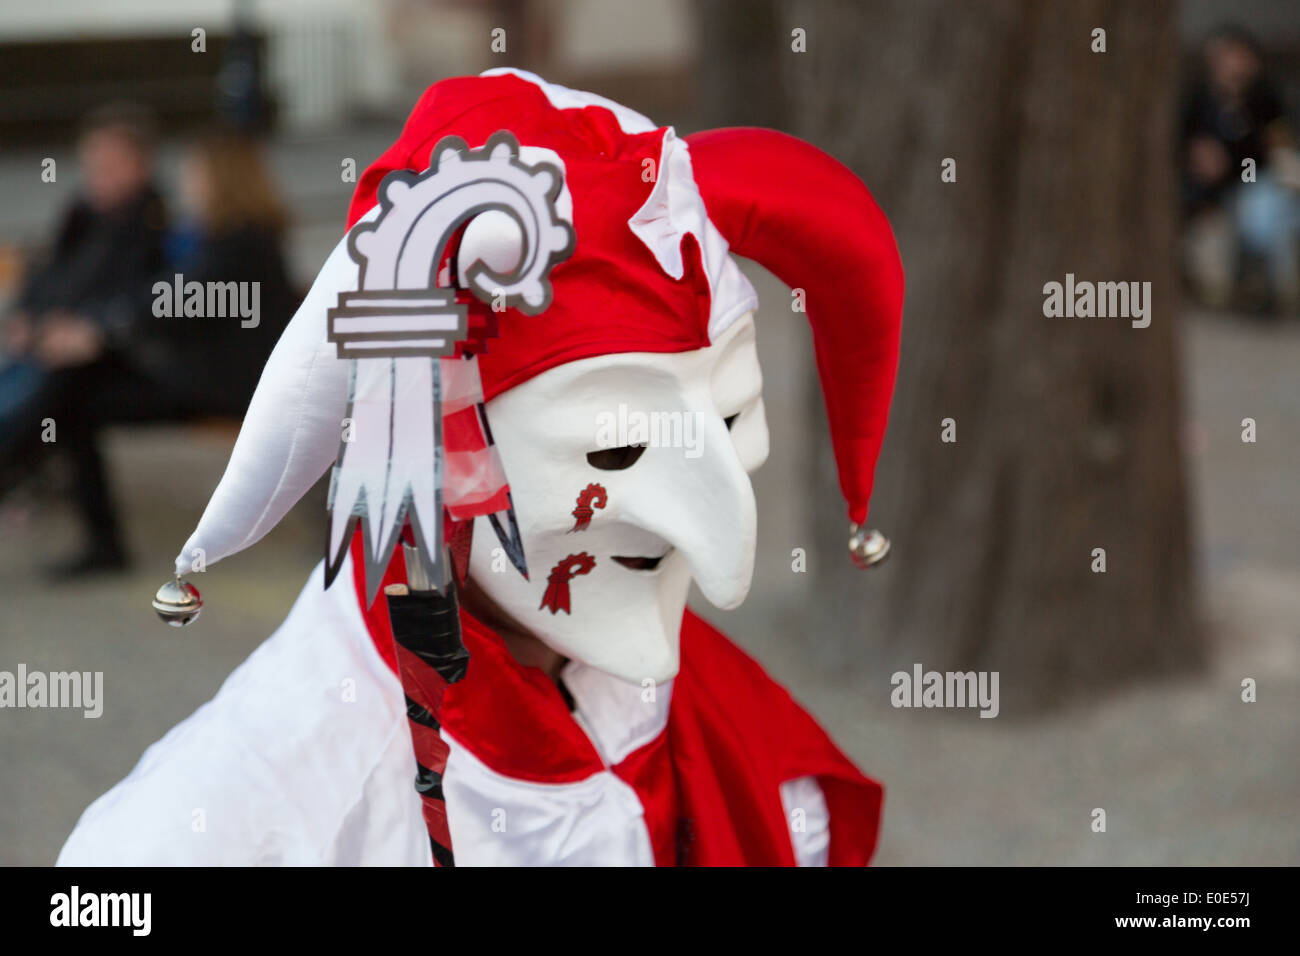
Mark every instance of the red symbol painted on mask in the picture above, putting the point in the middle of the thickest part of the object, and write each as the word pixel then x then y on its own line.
pixel 593 496
pixel 557 583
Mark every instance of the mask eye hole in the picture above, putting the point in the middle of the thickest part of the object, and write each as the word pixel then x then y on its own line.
pixel 731 420
pixel 615 459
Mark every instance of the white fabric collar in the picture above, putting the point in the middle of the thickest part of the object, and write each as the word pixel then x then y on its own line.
pixel 619 717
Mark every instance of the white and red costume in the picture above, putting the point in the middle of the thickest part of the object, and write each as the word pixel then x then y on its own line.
pixel 661 742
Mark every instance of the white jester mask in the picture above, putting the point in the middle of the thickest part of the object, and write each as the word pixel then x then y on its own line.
pixel 629 478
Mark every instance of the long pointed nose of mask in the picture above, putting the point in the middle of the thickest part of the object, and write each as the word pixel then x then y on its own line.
pixel 291 433
pixel 708 513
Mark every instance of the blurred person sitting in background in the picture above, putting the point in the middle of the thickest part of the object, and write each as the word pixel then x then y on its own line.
pixel 1232 114
pixel 139 359
pixel 108 243
pixel 234 223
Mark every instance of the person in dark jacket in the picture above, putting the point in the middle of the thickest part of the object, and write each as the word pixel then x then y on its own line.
pixel 186 342
pixel 108 243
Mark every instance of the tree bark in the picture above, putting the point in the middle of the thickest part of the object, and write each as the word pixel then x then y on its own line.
pixel 1068 429
pixel 740 63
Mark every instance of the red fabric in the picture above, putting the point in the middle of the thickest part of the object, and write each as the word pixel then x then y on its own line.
pixel 649 771
pixel 611 295
pixel 461 431
pixel 487 707
pixel 736 736
pixel 812 222
pixel 709 785
pixel 497 502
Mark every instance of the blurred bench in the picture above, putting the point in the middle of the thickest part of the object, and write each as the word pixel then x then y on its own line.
pixel 51 83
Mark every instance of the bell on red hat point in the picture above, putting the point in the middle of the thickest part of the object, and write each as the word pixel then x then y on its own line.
pixel 867 548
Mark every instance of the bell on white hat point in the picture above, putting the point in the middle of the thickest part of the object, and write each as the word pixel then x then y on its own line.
pixel 177 602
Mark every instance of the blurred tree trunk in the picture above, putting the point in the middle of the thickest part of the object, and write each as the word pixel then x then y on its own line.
pixel 740 63
pixel 1068 429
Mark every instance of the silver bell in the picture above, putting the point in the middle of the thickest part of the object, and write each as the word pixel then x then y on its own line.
pixel 867 548
pixel 177 602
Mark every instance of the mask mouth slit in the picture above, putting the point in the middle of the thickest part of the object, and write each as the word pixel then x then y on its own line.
pixel 641 563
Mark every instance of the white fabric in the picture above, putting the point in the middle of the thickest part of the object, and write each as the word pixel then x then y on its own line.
pixel 618 717
pixel 675 209
pixel 563 98
pixel 303 758
pixel 809 820
pixel 499 821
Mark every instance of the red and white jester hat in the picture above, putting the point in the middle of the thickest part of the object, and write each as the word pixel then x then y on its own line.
pixel 649 272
